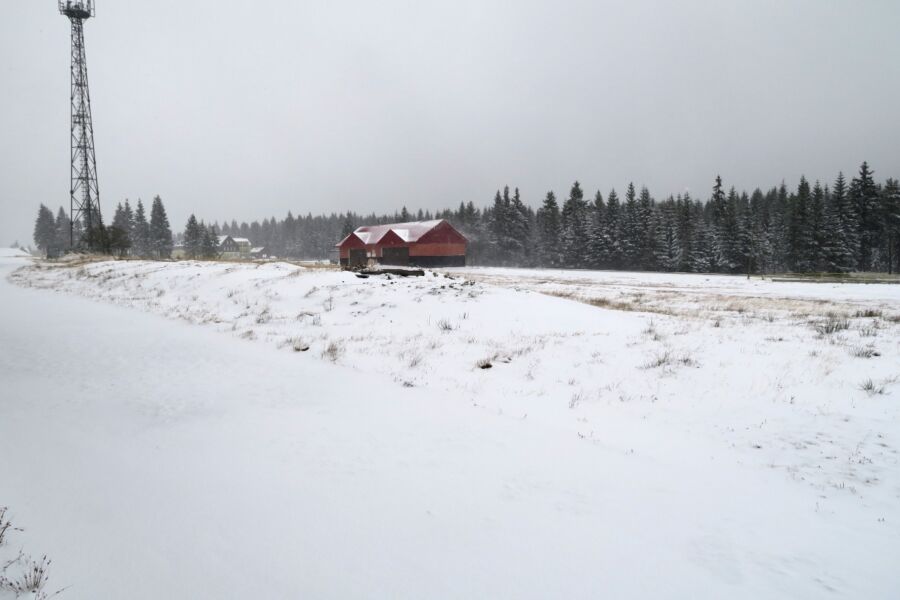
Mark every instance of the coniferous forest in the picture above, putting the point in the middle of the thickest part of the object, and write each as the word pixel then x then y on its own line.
pixel 835 227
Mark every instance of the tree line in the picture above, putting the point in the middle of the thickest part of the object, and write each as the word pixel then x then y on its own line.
pixel 130 233
pixel 841 227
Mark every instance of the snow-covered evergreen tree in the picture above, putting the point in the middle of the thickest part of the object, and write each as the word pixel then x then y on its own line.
pixel 574 228
pixel 44 229
pixel 193 238
pixel 160 231
pixel 865 197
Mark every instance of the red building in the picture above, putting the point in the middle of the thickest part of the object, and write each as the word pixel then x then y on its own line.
pixel 422 243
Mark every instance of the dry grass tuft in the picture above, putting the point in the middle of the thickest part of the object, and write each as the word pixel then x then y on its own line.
pixel 871 388
pixel 863 351
pixel 668 358
pixel 333 351
pixel 832 324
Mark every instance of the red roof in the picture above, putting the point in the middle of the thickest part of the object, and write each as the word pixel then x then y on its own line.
pixel 408 232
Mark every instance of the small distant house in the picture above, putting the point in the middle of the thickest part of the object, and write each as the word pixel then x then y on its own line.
pixel 260 252
pixel 234 247
pixel 421 243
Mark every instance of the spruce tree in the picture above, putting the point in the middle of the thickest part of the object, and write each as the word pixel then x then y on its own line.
pixel 667 245
pixel 599 242
pixel 44 230
pixel 63 230
pixel 800 232
pixel 193 238
pixel 141 240
pixel 160 231
pixel 548 228
pixel 119 239
pixel 615 252
pixel 631 230
pixel 574 222
pixel 518 230
pixel 209 246
pixel 864 195
pixel 890 216
pixel 646 224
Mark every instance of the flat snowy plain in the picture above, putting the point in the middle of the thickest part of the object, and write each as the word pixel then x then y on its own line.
pixel 218 430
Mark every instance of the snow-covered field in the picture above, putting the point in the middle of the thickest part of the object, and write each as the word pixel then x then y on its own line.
pixel 292 432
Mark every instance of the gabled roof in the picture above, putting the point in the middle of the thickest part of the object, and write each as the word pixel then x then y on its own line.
pixel 236 240
pixel 408 232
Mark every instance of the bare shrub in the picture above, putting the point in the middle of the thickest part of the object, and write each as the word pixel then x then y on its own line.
pixel 328 305
pixel 669 358
pixel 575 400
pixel 310 291
pixel 863 351
pixel 333 351
pixel 871 388
pixel 264 316
pixel 446 326
pixel 484 363
pixel 869 313
pixel 869 331
pixel 831 325
pixel 31 580
pixel 5 524
pixel 415 360
pixel 652 332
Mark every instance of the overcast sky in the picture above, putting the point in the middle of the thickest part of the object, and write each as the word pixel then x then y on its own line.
pixel 249 109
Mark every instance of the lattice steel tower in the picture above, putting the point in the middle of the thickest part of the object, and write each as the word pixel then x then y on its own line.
pixel 84 191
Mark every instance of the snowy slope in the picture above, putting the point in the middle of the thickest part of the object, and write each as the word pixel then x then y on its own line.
pixel 722 453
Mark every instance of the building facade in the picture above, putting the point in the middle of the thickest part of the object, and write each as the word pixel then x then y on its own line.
pixel 420 243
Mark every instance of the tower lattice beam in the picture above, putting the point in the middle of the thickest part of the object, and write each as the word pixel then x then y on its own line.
pixel 84 190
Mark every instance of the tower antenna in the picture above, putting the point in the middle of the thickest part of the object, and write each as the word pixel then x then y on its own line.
pixel 84 192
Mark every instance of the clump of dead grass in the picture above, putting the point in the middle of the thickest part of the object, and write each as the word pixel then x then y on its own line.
pixel 333 351
pixel 669 358
pixel 831 324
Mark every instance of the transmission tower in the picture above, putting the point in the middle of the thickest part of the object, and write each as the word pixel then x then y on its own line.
pixel 84 192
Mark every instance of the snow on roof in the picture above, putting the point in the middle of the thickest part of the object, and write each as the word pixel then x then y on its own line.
pixel 257 249
pixel 241 240
pixel 222 238
pixel 408 232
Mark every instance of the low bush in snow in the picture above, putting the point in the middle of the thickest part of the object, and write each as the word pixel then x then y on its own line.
pixel 31 577
pixel 871 388
pixel 333 351
pixel 832 324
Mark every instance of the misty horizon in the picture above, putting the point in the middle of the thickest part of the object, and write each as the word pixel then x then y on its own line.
pixel 328 109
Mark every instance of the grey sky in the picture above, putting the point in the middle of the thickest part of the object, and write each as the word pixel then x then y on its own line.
pixel 249 109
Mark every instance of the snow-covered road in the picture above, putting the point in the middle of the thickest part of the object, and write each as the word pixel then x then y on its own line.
pixel 151 458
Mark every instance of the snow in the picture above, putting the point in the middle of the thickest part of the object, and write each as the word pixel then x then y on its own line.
pixel 200 456
pixel 12 253
pixel 408 232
